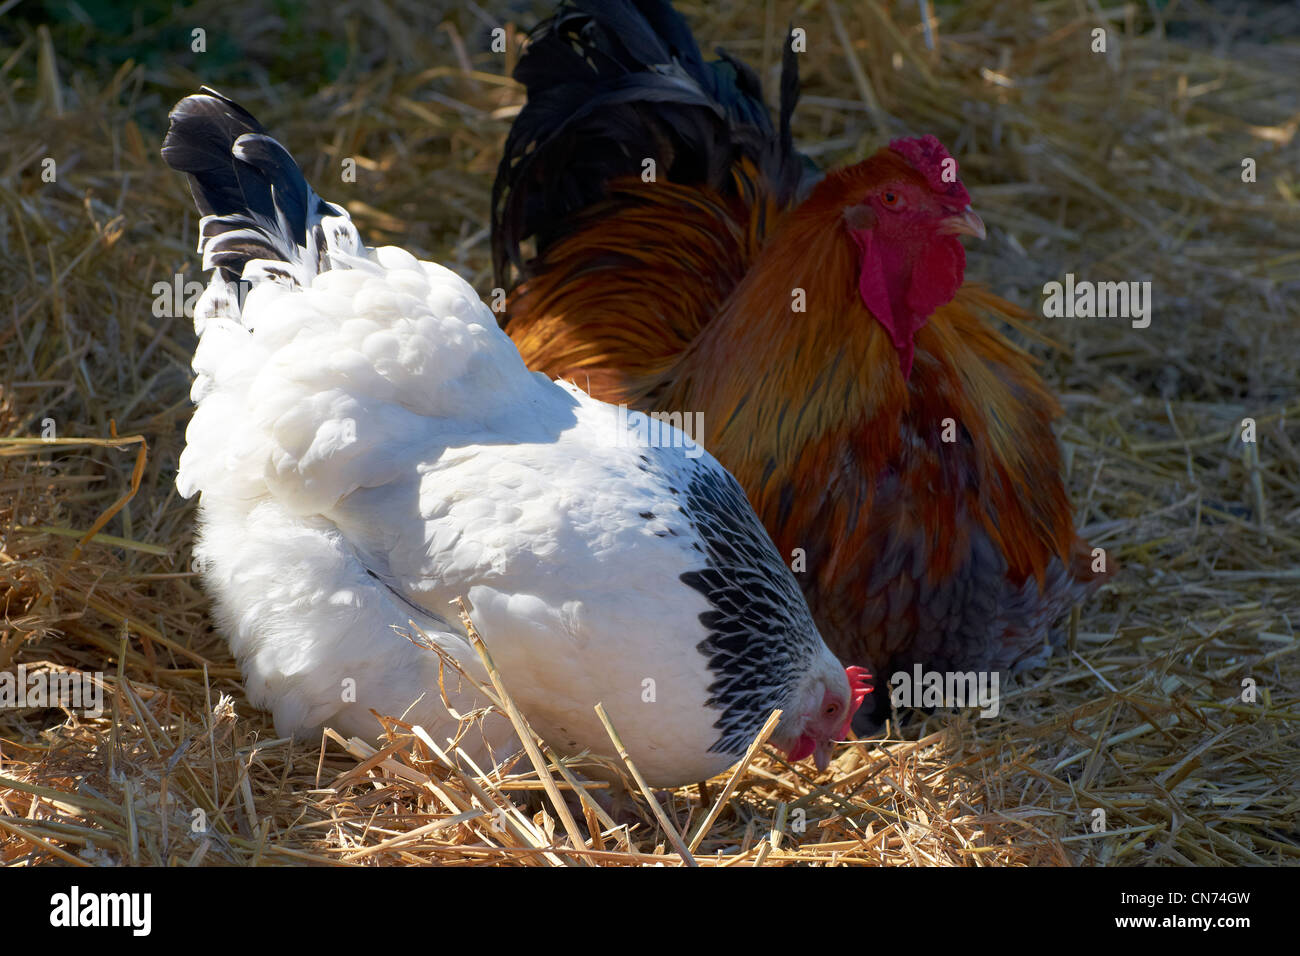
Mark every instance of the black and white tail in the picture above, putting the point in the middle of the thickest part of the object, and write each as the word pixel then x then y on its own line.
pixel 261 221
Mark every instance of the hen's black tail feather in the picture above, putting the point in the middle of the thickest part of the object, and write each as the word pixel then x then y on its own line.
pixel 255 199
pixel 614 82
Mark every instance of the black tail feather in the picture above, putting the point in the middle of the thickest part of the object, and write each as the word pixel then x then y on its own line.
pixel 258 202
pixel 614 82
pixel 203 131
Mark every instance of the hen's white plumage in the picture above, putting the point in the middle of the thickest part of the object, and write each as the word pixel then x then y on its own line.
pixel 368 445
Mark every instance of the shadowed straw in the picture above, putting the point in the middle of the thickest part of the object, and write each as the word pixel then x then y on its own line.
pixel 676 838
pixel 525 732
pixel 737 773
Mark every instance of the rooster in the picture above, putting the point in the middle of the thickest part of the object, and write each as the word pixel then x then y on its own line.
pixel 897 448
pixel 368 446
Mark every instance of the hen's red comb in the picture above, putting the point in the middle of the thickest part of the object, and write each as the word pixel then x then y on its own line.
pixel 859 687
pixel 927 154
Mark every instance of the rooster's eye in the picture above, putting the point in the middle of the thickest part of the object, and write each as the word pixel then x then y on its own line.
pixel 891 200
pixel 832 710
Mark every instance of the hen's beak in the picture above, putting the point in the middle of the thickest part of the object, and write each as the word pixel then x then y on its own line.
pixel 822 754
pixel 965 223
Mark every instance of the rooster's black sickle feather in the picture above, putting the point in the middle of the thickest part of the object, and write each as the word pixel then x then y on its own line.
pixel 611 84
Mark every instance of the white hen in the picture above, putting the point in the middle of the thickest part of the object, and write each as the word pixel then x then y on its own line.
pixel 368 445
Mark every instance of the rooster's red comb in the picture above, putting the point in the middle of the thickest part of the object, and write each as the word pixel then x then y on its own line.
pixel 927 155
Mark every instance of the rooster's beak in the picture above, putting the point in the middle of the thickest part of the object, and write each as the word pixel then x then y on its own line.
pixel 965 223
